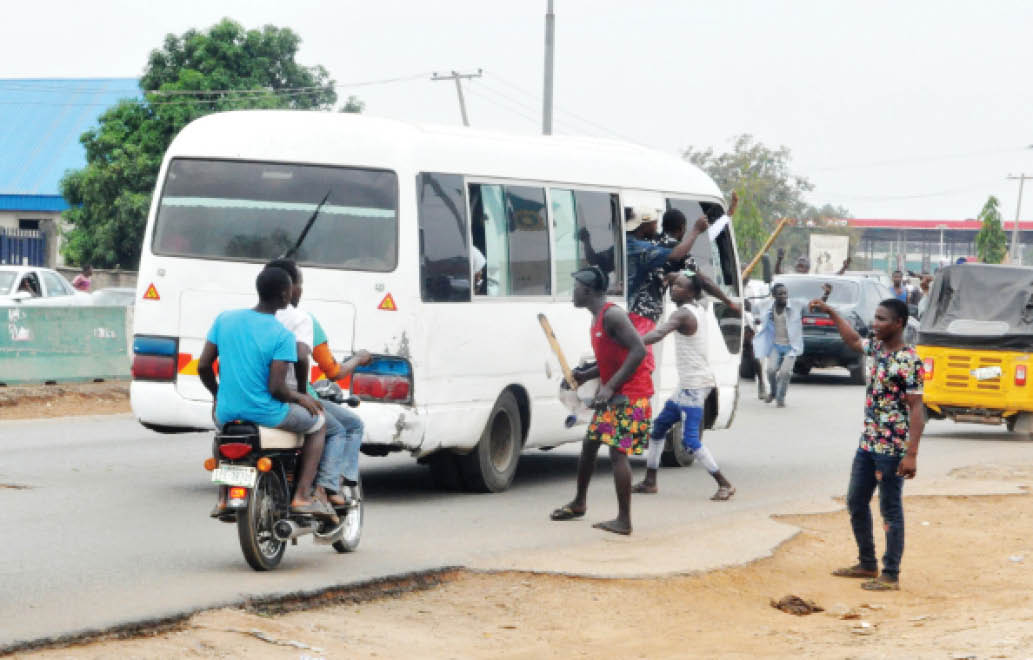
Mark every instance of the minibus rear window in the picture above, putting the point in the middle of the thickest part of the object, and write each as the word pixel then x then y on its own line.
pixel 248 211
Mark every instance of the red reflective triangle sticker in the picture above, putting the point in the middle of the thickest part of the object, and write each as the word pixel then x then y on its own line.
pixel 151 293
pixel 388 304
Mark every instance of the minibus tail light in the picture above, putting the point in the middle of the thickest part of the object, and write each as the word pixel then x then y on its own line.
pixel 154 367
pixel 927 365
pixel 1020 375
pixel 385 378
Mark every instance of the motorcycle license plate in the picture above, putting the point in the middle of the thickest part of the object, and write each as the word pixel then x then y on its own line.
pixel 235 475
pixel 986 373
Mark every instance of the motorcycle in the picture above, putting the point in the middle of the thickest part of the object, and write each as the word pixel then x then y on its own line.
pixel 257 466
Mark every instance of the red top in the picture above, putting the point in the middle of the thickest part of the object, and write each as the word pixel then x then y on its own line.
pixel 610 355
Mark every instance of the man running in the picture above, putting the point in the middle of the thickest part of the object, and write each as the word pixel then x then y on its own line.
pixel 255 353
pixel 622 404
pixel 780 340
pixel 695 379
pixel 888 453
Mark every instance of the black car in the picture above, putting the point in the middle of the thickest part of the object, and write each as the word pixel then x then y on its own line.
pixel 855 298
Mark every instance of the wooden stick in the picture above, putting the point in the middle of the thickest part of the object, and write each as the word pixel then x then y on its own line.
pixel 767 244
pixel 568 375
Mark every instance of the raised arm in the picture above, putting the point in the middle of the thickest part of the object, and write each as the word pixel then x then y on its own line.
pixel 681 250
pixel 780 255
pixel 846 264
pixel 714 290
pixel 846 331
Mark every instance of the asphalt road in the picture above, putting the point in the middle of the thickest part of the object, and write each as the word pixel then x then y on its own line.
pixel 109 521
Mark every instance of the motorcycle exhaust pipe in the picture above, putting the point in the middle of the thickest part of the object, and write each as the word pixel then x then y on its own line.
pixel 286 530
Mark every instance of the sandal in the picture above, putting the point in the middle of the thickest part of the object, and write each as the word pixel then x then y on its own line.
pixel 643 487
pixel 565 512
pixel 613 526
pixel 723 494
pixel 856 571
pixel 315 508
pixel 881 583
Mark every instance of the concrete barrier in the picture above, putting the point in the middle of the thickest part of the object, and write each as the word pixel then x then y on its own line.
pixel 56 344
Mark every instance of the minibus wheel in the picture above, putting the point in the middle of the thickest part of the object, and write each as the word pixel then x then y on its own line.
pixel 490 467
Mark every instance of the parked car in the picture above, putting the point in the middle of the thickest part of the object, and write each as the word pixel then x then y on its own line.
pixel 855 297
pixel 114 297
pixel 29 285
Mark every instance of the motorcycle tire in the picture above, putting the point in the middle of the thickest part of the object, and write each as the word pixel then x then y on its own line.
pixel 351 533
pixel 267 503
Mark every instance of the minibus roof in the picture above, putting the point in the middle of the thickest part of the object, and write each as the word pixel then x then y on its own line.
pixel 348 139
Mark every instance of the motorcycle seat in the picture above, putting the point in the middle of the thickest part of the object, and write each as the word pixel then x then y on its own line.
pixel 279 439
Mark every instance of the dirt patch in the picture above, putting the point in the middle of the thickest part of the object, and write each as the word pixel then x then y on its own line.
pixel 33 401
pixel 967 590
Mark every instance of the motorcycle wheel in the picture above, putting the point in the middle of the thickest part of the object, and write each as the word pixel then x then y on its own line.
pixel 267 504
pixel 351 533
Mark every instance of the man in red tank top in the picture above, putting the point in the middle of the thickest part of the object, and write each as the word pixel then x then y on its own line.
pixel 623 414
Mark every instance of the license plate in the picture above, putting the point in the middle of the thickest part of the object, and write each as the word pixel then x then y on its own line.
pixel 986 373
pixel 235 475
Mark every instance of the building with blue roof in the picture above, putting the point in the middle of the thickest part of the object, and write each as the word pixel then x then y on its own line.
pixel 41 120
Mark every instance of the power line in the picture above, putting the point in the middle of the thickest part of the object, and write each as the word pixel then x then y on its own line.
pixel 879 198
pixel 505 106
pixel 458 78
pixel 916 159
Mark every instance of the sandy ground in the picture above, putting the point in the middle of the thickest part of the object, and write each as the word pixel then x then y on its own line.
pixel 967 592
pixel 32 401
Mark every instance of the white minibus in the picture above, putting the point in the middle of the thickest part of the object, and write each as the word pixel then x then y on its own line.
pixel 400 216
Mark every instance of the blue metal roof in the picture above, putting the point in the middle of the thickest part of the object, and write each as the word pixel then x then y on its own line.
pixel 41 120
pixel 33 203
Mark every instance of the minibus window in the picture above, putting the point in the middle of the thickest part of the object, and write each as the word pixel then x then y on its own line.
pixel 511 240
pixel 587 227
pixel 444 257
pixel 251 211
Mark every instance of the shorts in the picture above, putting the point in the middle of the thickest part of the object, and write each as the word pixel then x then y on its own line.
pixel 300 420
pixel 624 427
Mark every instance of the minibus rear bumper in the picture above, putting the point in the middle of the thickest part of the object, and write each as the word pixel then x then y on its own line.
pixel 389 427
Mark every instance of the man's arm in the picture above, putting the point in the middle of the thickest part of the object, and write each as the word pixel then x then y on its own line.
pixel 333 369
pixel 279 390
pixel 780 255
pixel 206 368
pixel 846 264
pixel 846 331
pixel 733 205
pixel 679 320
pixel 714 290
pixel 301 367
pixel 908 466
pixel 681 250
pixel 618 326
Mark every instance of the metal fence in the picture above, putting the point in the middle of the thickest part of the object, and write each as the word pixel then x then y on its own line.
pixel 26 247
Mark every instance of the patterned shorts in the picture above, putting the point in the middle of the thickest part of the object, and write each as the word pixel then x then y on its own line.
pixel 624 427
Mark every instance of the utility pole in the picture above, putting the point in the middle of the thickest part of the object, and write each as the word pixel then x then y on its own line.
pixel 550 47
pixel 1015 256
pixel 458 77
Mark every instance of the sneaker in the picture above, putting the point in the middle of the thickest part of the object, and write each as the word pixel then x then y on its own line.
pixel 769 398
pixel 781 404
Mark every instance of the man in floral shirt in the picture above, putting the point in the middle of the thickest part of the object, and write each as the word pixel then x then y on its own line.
pixel 888 451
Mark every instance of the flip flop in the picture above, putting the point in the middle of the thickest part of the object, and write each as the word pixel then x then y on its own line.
pixel 856 571
pixel 723 494
pixel 314 508
pixel 566 513
pixel 611 526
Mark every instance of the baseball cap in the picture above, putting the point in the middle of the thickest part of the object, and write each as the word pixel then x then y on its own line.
pixel 592 277
pixel 639 216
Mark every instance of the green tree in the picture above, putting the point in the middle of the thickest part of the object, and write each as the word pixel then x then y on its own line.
pixel 353 104
pixel 991 243
pixel 768 191
pixel 191 75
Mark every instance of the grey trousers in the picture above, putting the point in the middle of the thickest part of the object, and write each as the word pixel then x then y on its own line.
pixel 780 370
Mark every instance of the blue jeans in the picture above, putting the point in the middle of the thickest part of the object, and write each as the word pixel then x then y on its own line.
pixel 868 471
pixel 780 370
pixel 691 416
pixel 341 453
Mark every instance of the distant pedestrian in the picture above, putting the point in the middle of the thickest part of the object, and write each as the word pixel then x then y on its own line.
pixel 623 412
pixel 780 340
pixel 695 379
pixel 898 289
pixel 82 280
pixel 888 453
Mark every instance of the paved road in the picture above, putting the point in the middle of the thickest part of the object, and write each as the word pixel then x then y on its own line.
pixel 113 525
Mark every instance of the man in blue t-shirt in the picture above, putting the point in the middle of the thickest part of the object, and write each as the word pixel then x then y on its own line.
pixel 254 352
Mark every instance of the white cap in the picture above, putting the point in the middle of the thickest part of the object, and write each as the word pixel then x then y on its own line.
pixel 639 216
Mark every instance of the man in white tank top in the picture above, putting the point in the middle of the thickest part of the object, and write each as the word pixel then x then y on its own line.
pixel 695 379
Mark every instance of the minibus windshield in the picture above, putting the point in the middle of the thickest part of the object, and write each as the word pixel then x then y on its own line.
pixel 248 211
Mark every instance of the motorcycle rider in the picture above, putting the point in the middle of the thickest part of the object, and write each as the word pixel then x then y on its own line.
pixel 255 353
pixel 340 459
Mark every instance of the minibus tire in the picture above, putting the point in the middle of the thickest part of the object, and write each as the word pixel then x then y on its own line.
pixel 675 454
pixel 490 467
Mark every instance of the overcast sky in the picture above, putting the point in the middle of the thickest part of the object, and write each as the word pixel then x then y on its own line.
pixel 905 109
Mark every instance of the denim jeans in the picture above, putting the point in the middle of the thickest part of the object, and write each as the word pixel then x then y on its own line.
pixel 868 471
pixel 341 453
pixel 686 407
pixel 780 370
